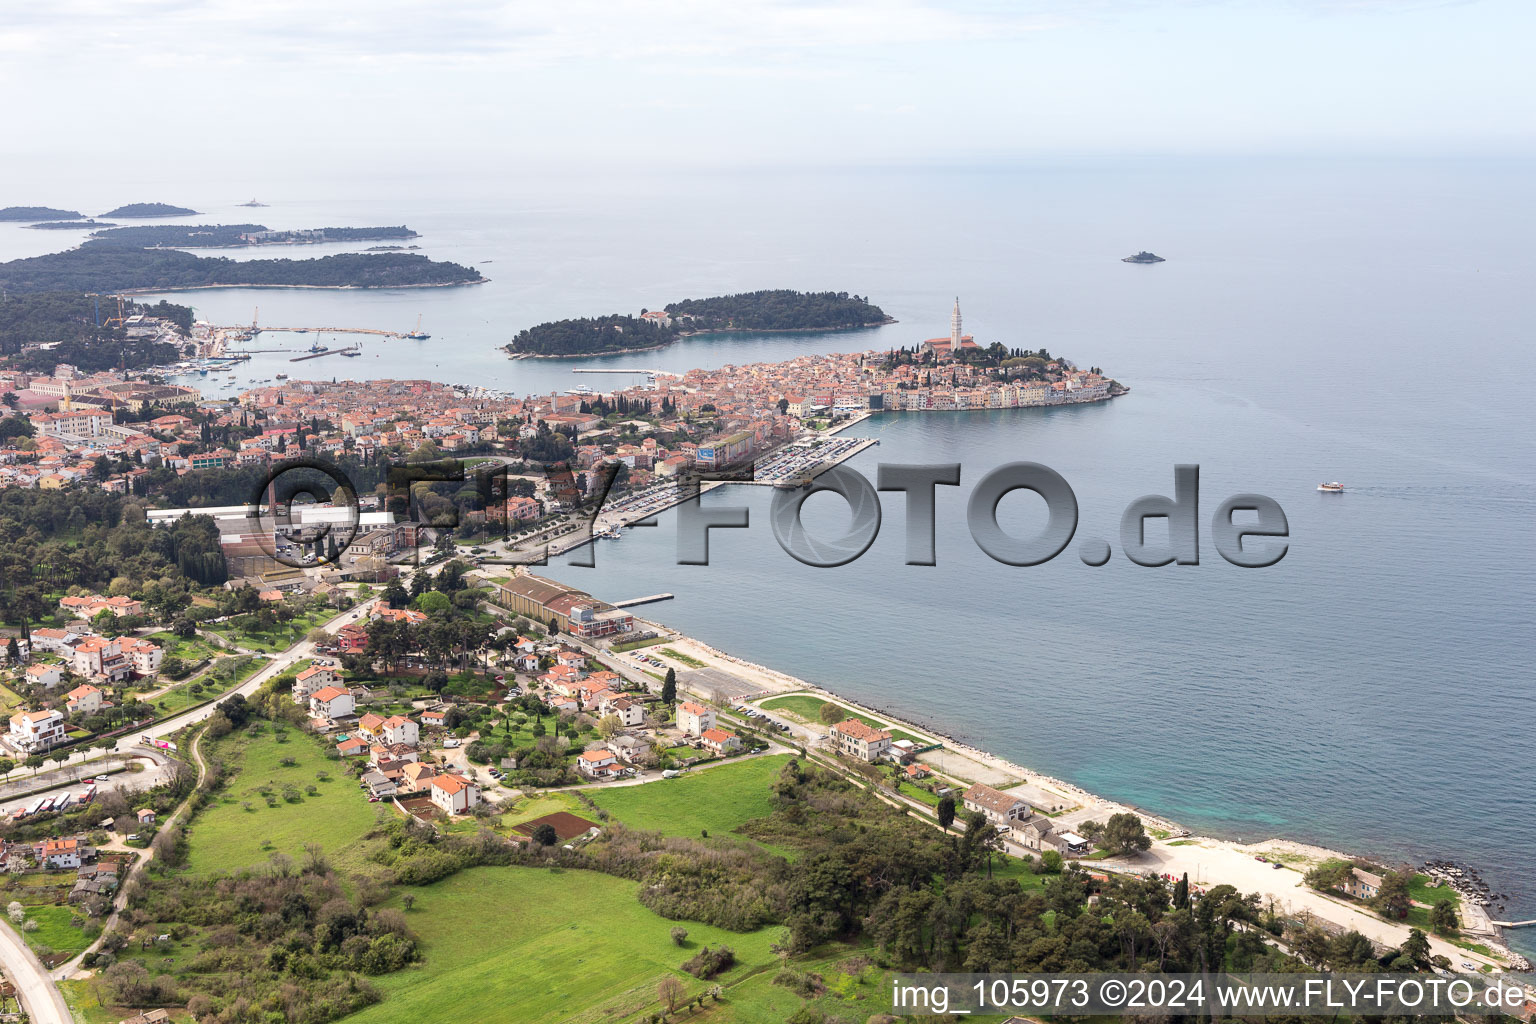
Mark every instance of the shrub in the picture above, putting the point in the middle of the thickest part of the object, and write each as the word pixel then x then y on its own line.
pixel 679 936
pixel 709 962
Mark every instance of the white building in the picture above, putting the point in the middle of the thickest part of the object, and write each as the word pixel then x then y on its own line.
pixel 331 702
pixel 33 732
pixel 695 719
pixel 454 795
pixel 84 699
pixel 399 729
pixel 311 679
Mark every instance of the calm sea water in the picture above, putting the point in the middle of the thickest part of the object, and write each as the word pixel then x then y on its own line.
pixel 1367 322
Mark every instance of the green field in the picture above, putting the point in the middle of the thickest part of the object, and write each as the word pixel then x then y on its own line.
pixel 1419 890
pixel 686 659
pixel 54 930
pixel 531 945
pixel 807 707
pixel 227 837
pixel 635 645
pixel 717 799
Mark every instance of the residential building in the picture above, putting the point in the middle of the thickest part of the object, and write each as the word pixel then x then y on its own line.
pixel 311 679
pixel 59 853
pixel 398 730
pixel 720 741
pixel 1000 808
pixel 453 794
pixel 598 764
pixel 856 739
pixel 695 719
pixel 84 699
pixel 1361 884
pixel 33 732
pixel 46 676
pixel 331 702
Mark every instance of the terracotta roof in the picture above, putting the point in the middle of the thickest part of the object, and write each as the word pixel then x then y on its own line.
pixel 329 693
pixel 860 731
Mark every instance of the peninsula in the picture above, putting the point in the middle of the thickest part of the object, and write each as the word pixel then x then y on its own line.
pixel 767 310
pixel 116 268
pixel 149 210
pixel 234 236
pixel 38 213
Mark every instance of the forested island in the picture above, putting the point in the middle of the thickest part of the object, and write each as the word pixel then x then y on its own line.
pixel 230 236
pixel 115 268
pixel 38 213
pixel 67 322
pixel 148 210
pixel 72 225
pixel 767 310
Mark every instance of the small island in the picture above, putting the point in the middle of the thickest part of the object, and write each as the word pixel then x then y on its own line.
pixel 89 224
pixel 236 236
pixel 253 202
pixel 149 210
pixel 1144 257
pixel 771 310
pixel 108 268
pixel 38 213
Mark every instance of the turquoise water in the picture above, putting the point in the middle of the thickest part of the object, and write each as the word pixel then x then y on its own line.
pixel 1361 322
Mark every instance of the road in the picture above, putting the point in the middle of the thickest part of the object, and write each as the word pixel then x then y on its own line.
pixel 41 998
pixel 38 994
pixel 156 771
pixel 1211 862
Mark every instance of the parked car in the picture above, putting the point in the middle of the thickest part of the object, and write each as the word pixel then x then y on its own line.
pixel 450 743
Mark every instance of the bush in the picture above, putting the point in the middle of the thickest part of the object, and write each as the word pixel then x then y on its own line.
pixel 709 962
pixel 679 936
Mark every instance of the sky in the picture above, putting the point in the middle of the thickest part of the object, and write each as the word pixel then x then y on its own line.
pixel 581 84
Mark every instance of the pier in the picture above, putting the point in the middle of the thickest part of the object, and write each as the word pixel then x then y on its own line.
pixel 323 352
pixel 324 330
pixel 1516 924
pixel 584 369
pixel 642 600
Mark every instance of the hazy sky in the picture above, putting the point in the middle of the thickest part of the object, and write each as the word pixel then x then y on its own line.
pixel 594 84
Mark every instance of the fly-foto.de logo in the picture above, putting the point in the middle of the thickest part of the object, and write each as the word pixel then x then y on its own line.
pixel 307 513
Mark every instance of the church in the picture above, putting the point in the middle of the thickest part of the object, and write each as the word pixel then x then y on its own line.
pixel 945 348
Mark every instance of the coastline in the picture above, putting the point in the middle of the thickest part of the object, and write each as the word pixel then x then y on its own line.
pixel 1207 859
pixel 306 287
pixel 694 334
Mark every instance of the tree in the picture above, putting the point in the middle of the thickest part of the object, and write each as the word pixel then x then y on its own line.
pixel 6 767
pixel 831 713
pixel 34 762
pixel 1181 893
pixel 669 687
pixel 1416 948
pixel 679 935
pixel 1393 899
pixel 946 811
pixel 608 726
pixel 1124 835
pixel 544 835
pixel 670 991
pixel 1330 874
pixel 1442 916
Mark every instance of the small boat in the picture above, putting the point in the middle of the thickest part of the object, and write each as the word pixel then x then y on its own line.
pixel 1332 488
pixel 282 376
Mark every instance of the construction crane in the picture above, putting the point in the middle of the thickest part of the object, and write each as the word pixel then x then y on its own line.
pixel 111 321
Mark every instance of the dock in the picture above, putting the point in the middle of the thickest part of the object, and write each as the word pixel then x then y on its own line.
pixel 642 600
pixel 1516 924
pixel 325 352
pixel 325 330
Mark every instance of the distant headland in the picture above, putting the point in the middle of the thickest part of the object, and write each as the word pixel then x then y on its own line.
pixel 771 310
pixel 109 268
pixel 38 213
pixel 1144 257
pixel 236 236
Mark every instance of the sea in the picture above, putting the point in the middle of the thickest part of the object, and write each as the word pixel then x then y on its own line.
pixel 1366 321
